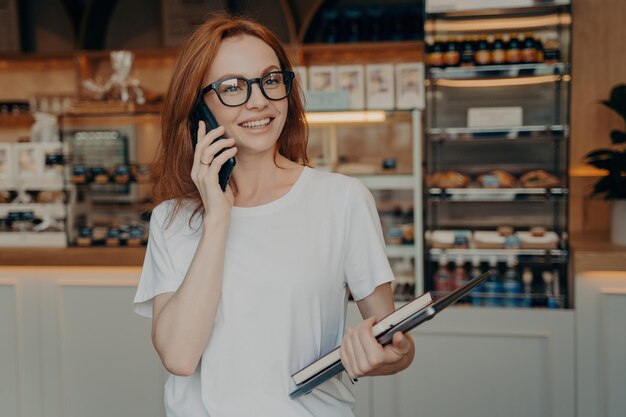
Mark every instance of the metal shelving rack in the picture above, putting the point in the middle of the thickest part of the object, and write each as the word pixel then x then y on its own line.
pixel 540 142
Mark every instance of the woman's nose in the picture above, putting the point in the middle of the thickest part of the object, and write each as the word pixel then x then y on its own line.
pixel 257 100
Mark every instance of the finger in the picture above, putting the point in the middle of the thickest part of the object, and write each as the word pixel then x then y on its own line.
pixel 214 148
pixel 218 161
pixel 347 356
pixel 400 344
pixel 372 352
pixel 205 140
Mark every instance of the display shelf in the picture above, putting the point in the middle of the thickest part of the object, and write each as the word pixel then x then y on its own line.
pixel 33 239
pixel 388 182
pixel 502 255
pixel 498 71
pixel 499 194
pixel 482 134
pixel 35 184
pixel 56 210
pixel 401 251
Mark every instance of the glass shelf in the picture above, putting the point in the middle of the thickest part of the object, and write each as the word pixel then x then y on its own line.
pixel 483 134
pixel 388 182
pixel 498 71
pixel 502 255
pixel 499 194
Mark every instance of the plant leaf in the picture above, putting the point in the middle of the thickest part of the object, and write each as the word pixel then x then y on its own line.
pixel 617 100
pixel 618 137
pixel 602 158
pixel 601 153
pixel 602 185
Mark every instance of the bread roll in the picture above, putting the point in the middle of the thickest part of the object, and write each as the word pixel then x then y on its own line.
pixel 539 179
pixel 448 179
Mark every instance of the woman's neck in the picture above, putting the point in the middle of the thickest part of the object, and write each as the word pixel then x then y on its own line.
pixel 259 182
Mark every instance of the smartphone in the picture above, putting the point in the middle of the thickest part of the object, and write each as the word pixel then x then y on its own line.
pixel 199 112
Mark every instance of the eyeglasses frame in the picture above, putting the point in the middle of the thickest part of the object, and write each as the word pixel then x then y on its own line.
pixel 288 76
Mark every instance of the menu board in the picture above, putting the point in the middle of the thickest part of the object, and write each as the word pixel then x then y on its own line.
pixel 10 40
pixel 181 17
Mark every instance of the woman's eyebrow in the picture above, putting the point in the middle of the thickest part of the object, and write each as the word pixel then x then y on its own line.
pixel 265 71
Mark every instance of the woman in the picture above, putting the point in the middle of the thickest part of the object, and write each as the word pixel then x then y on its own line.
pixel 247 286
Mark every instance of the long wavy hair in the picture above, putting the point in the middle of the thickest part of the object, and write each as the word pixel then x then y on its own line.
pixel 174 159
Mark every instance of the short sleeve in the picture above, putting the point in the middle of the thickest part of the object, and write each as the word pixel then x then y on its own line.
pixel 366 262
pixel 158 274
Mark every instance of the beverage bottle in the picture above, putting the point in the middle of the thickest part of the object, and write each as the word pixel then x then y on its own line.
pixel 460 276
pixel 513 50
pixel 452 57
pixel 482 56
pixel 442 278
pixel 527 279
pixel 539 48
pixel 493 285
pixel 476 298
pixel 548 278
pixel 498 52
pixel 512 285
pixel 529 51
pixel 467 52
pixel 554 299
pixel 436 54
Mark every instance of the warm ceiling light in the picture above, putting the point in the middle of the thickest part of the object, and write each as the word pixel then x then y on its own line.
pixel 497 82
pixel 346 117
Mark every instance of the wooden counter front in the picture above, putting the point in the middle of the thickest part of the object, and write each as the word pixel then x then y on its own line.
pixel 591 252
pixel 90 256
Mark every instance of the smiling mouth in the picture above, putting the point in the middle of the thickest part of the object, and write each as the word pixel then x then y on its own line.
pixel 257 124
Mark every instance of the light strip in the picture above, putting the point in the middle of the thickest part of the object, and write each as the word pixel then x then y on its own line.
pixel 498 82
pixel 510 24
pixel 371 116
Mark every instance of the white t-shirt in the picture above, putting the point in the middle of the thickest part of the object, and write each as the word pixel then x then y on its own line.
pixel 287 270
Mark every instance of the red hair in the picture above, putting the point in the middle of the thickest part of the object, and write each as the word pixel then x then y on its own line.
pixel 175 155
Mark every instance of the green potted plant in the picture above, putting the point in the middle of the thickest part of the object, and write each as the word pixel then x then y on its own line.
pixel 613 160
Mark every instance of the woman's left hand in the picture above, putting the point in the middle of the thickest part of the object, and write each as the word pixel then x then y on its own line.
pixel 362 355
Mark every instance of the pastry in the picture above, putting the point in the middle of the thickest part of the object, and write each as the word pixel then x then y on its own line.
pixel 496 179
pixel 539 179
pixel 448 179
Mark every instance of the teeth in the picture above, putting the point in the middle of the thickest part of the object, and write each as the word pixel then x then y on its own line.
pixel 257 123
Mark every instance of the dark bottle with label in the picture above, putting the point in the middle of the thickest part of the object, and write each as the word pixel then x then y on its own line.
pixel 552 51
pixel 498 52
pixel 482 55
pixel 452 56
pixel 513 50
pixel 435 57
pixel 529 52
pixel 467 52
pixel 539 48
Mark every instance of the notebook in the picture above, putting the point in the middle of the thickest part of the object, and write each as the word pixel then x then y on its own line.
pixel 403 319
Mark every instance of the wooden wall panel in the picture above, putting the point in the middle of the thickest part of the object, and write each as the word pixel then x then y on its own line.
pixel 598 63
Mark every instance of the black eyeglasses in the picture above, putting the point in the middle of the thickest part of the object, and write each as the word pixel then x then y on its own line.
pixel 235 91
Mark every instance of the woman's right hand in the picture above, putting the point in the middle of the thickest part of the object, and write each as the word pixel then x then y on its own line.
pixel 206 167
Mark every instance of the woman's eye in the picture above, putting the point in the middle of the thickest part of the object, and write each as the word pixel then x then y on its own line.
pixel 230 89
pixel 272 81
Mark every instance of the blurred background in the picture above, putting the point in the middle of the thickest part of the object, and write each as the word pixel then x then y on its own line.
pixel 490 132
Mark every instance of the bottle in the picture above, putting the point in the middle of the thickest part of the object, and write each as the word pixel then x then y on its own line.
pixel 529 52
pixel 493 285
pixel 442 278
pixel 512 285
pixel 476 298
pixel 527 279
pixel 552 51
pixel 498 52
pixel 460 276
pixel 554 300
pixel 539 48
pixel 404 277
pixel 467 52
pixel 482 56
pixel 452 57
pixel 548 278
pixel 513 50
pixel 436 55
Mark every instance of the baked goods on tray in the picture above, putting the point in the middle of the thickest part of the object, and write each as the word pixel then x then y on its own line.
pixel 448 179
pixel 496 179
pixel 539 178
